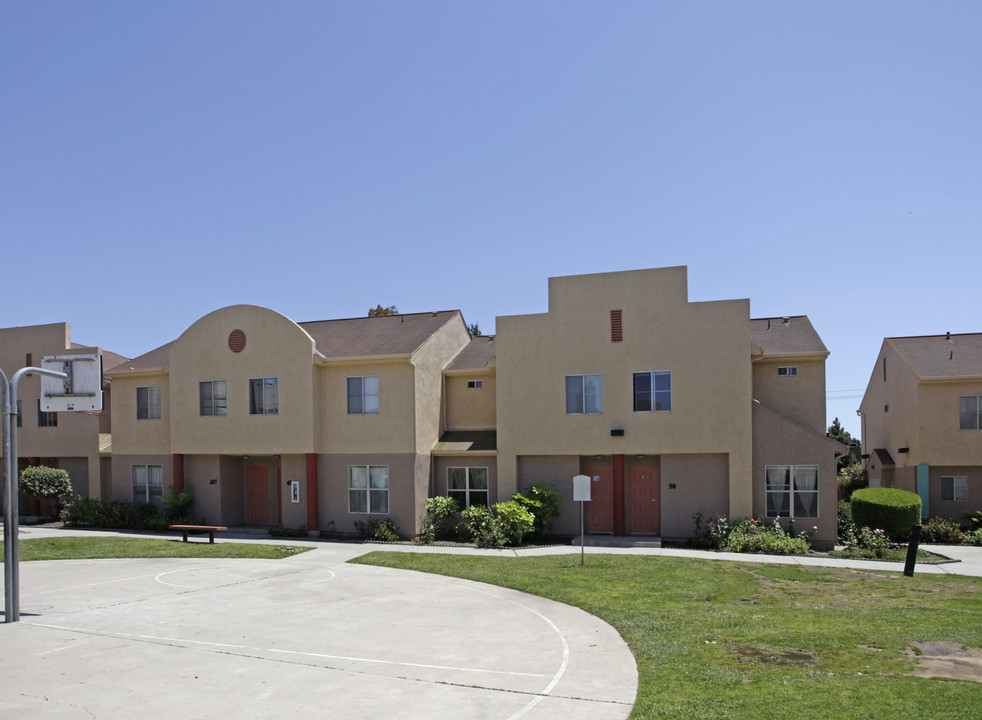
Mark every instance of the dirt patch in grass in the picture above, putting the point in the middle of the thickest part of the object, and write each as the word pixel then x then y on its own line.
pixel 946 659
pixel 753 653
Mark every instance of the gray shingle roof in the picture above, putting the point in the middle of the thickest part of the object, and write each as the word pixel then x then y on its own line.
pixel 786 336
pixel 476 355
pixel 383 335
pixel 936 356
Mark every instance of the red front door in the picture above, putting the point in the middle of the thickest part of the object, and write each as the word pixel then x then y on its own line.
pixel 643 511
pixel 257 495
pixel 599 510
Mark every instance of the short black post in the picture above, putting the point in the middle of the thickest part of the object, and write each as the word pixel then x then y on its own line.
pixel 915 540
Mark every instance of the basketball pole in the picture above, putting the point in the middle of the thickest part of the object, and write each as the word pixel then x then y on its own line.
pixel 11 548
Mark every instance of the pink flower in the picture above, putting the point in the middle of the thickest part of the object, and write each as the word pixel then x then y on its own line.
pixel 752 521
pixel 814 527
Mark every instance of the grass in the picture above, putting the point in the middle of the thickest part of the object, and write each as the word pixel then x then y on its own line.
pixel 716 639
pixel 87 548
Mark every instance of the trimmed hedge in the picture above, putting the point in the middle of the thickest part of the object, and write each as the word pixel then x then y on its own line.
pixel 889 509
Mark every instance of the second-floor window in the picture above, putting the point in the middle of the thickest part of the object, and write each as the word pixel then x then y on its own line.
pixel 264 396
pixel 970 412
pixel 584 394
pixel 363 395
pixel 148 403
pixel 46 419
pixel 211 398
pixel 653 391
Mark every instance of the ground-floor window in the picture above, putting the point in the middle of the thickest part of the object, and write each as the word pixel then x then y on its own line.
pixel 368 488
pixel 792 491
pixel 468 485
pixel 954 489
pixel 148 484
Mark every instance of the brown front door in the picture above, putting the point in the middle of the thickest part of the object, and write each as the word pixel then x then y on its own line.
pixel 257 495
pixel 642 501
pixel 599 510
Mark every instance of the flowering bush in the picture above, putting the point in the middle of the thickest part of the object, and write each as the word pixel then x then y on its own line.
pixel 758 536
pixel 939 531
pixel 875 541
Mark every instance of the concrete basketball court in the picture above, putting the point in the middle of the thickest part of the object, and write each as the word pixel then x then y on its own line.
pixel 307 636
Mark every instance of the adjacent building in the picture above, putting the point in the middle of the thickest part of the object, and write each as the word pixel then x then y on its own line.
pixel 80 443
pixel 922 421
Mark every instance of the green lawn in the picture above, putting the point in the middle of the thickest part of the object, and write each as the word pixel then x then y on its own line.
pixel 87 548
pixel 716 639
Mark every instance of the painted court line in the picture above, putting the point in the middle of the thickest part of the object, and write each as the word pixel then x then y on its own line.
pixel 247 648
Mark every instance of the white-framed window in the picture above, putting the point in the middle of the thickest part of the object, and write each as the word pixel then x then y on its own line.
pixel 787 371
pixel 264 397
pixel 584 394
pixel 363 395
pixel 368 489
pixel 468 485
pixel 954 489
pixel 148 484
pixel 970 412
pixel 653 391
pixel 475 384
pixel 211 398
pixel 46 419
pixel 148 402
pixel 792 491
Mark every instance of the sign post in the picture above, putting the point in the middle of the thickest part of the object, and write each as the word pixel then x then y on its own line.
pixel 581 494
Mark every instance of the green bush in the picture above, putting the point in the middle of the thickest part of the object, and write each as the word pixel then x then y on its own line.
pixel 714 535
pixel 483 527
pixel 864 542
pixel 939 531
pixel 45 482
pixel 757 536
pixel 377 530
pixel 284 531
pixel 851 479
pixel 543 501
pixel 844 522
pixel 114 515
pixel 973 537
pixel 889 509
pixel 515 520
pixel 437 523
pixel 974 518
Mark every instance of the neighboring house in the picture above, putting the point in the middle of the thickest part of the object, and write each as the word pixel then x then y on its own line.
pixel 73 441
pixel 673 407
pixel 922 421
pixel 268 421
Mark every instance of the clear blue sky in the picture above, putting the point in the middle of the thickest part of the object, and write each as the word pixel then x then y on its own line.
pixel 164 159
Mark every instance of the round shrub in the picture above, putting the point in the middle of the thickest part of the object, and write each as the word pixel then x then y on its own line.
pixel 45 482
pixel 889 509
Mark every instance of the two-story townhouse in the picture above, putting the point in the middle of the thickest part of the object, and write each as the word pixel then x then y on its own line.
pixel 73 441
pixel 655 398
pixel 270 421
pixel 922 421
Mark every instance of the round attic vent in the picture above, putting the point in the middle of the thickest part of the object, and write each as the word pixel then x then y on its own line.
pixel 236 341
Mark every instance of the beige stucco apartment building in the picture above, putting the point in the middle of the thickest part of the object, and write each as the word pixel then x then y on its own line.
pixel 921 418
pixel 673 408
pixel 77 442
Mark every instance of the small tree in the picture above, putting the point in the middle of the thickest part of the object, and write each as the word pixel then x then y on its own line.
pixel 474 330
pixel 45 482
pixel 378 311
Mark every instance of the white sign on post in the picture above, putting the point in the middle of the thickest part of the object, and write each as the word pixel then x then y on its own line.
pixel 581 488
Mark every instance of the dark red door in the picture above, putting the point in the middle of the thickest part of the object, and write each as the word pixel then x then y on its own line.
pixel 599 511
pixel 257 495
pixel 643 511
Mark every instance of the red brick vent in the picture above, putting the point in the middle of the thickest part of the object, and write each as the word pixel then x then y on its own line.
pixel 236 341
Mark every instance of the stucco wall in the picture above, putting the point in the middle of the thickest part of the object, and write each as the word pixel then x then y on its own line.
pixel 705 346
pixel 429 362
pixel 275 347
pixel 951 509
pixel 131 434
pixel 122 484
pixel 800 397
pixel 471 408
pixel 940 440
pixel 701 485
pixel 332 490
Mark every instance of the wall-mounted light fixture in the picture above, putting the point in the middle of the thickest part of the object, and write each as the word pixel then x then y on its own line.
pixel 617 432
pixel 903 450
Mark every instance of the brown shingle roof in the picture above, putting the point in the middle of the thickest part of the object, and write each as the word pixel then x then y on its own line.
pixel 777 337
pixel 936 356
pixel 478 354
pixel 383 335
pixel 153 360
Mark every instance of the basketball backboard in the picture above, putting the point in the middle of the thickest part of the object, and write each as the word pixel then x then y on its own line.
pixel 81 391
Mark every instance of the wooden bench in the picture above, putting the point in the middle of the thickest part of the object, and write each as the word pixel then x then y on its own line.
pixel 198 530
